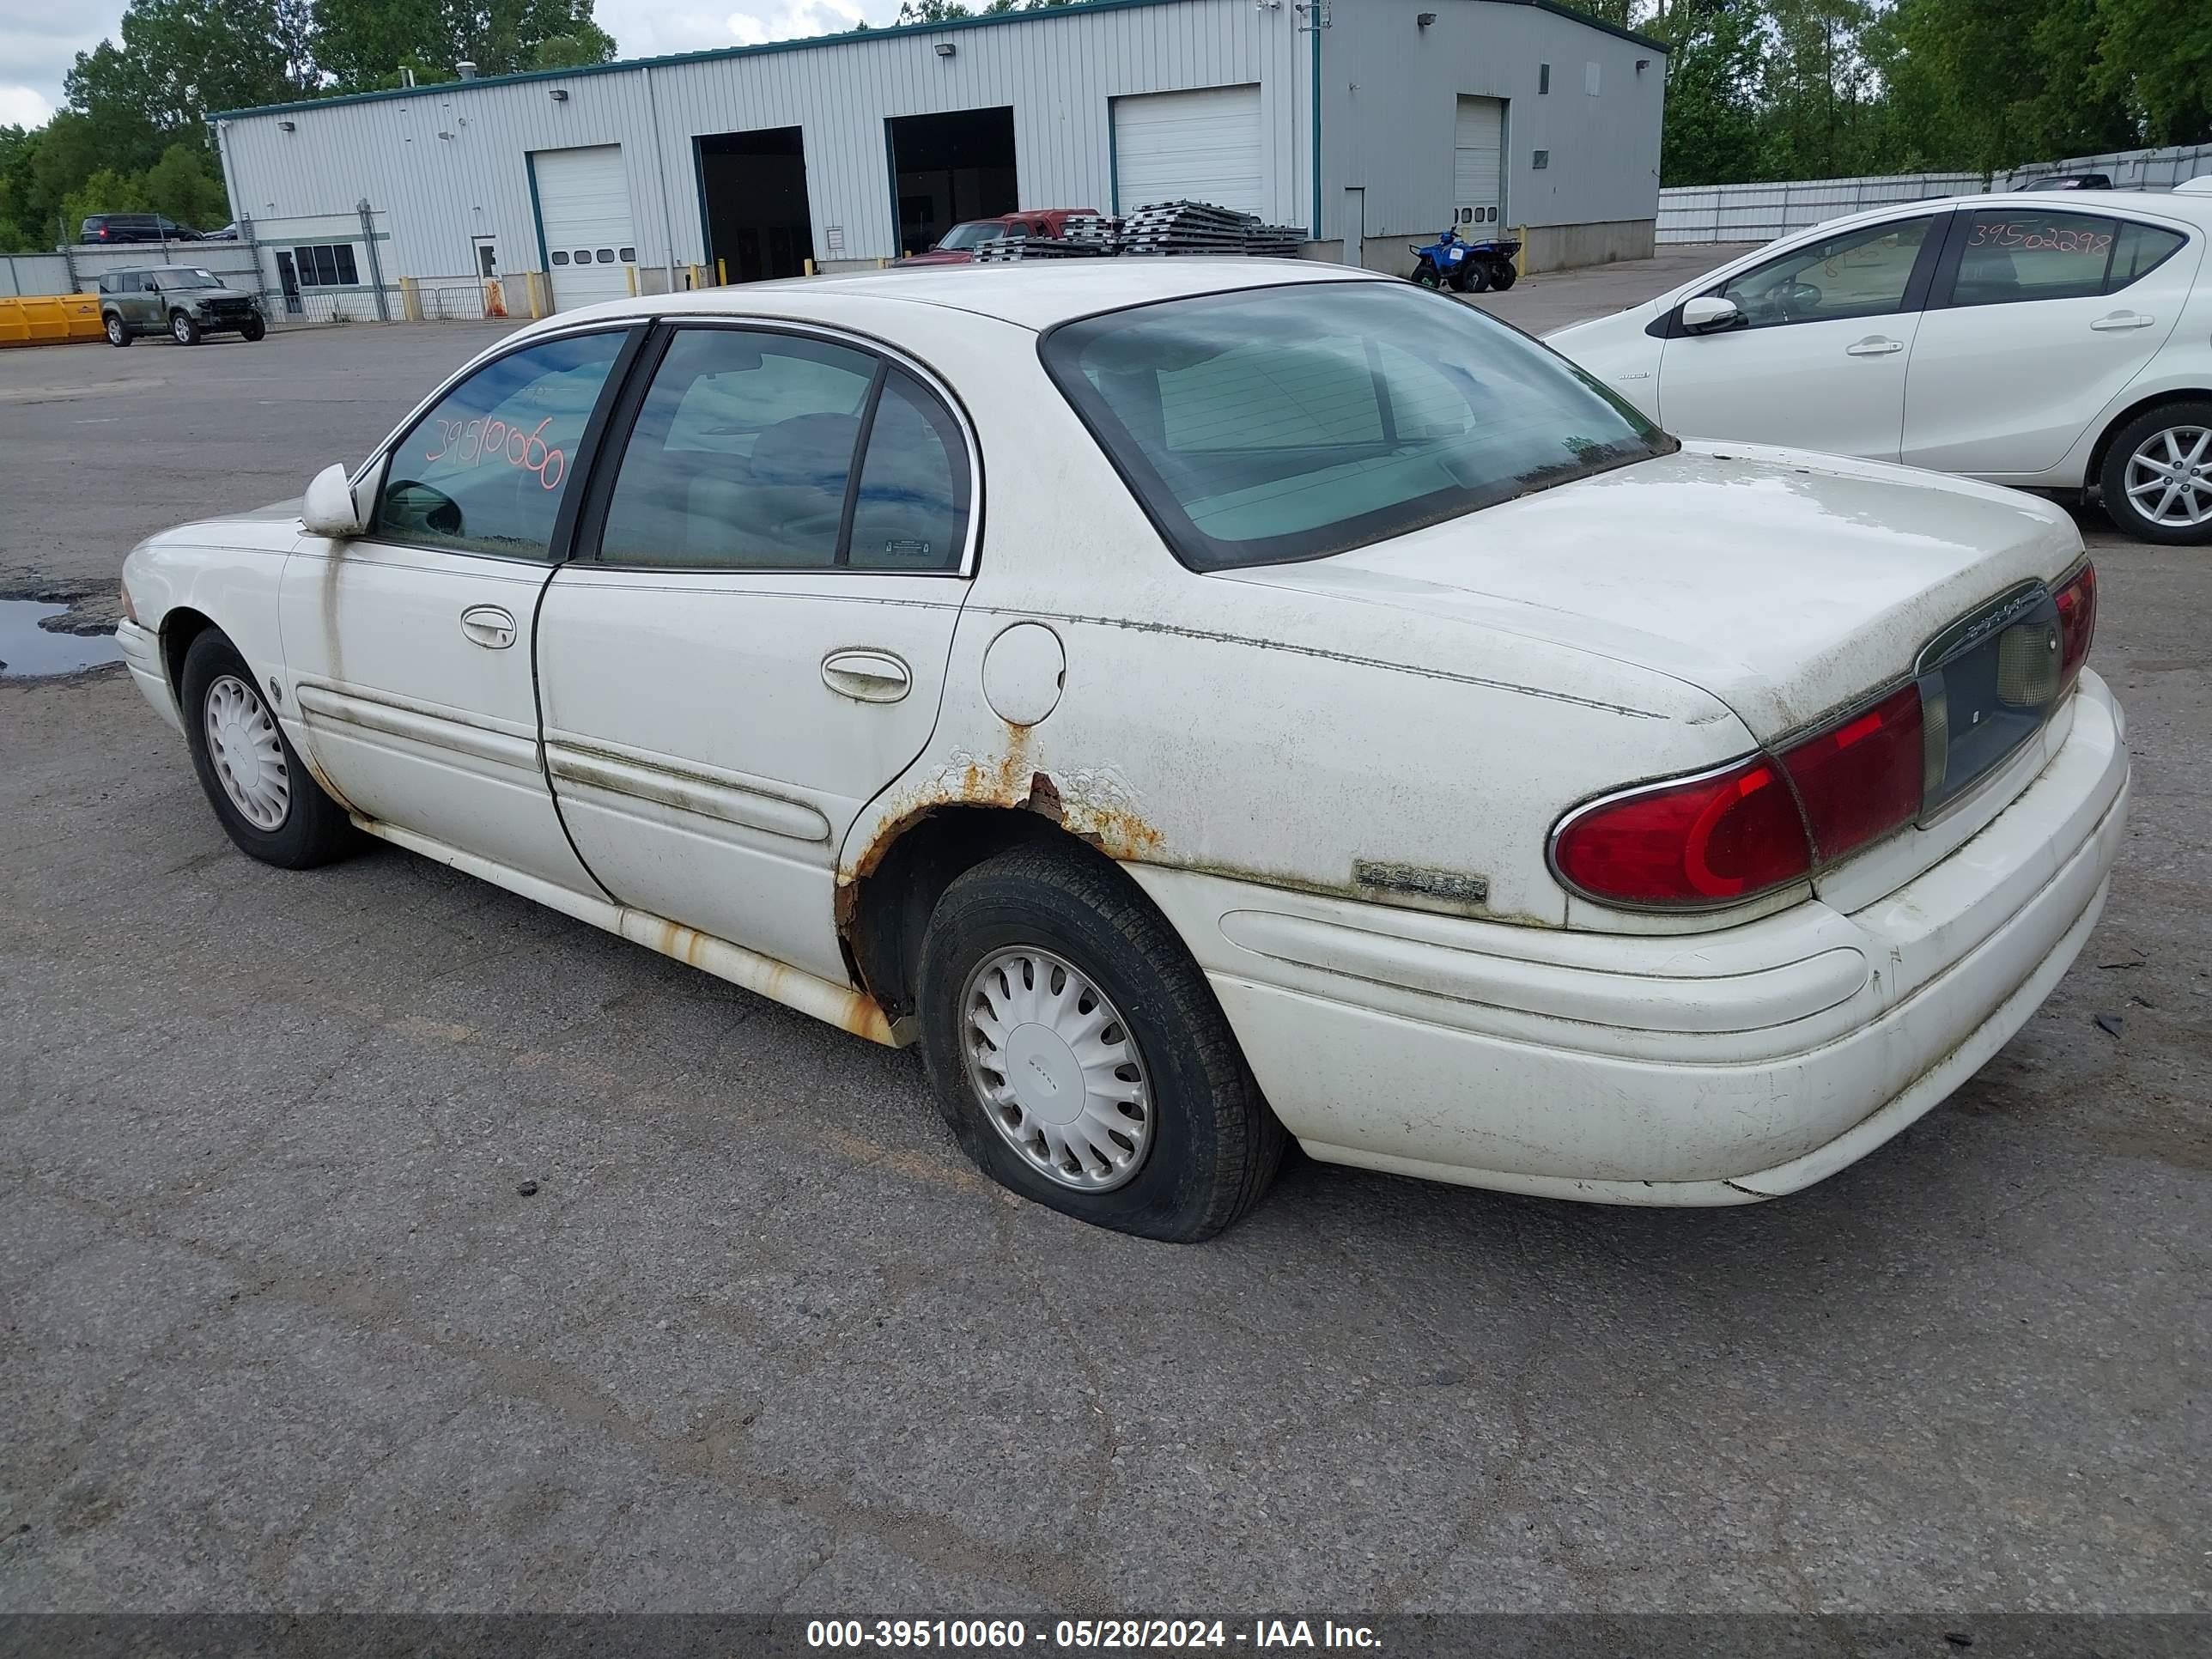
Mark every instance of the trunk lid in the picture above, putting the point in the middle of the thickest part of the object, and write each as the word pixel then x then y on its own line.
pixel 1787 585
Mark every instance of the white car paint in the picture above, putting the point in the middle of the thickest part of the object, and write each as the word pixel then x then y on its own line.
pixel 2018 394
pixel 1251 747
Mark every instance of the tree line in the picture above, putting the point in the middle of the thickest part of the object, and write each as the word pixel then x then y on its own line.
pixel 132 137
pixel 1768 89
pixel 1757 89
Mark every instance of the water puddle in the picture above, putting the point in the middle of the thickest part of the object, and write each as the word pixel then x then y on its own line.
pixel 26 649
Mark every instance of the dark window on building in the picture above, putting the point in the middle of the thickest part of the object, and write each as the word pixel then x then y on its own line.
pixel 329 266
pixel 627 255
pixel 1541 159
pixel 1543 78
pixel 606 256
pixel 559 256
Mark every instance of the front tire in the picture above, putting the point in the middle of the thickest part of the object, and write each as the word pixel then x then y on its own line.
pixel 1424 275
pixel 118 335
pixel 267 802
pixel 1080 1055
pixel 185 328
pixel 2157 476
pixel 252 328
pixel 1473 276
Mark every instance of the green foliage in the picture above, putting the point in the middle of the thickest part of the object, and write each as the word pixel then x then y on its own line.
pixel 362 44
pixel 1822 88
pixel 936 11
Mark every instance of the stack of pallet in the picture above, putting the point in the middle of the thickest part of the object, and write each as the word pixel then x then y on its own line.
pixel 1185 228
pixel 1273 241
pixel 1000 250
pixel 1093 230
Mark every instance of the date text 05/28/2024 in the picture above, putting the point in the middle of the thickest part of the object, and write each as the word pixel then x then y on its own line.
pixel 1137 1635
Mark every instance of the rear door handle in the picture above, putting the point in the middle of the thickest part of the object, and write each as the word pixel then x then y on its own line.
pixel 2120 320
pixel 488 626
pixel 866 676
pixel 1873 346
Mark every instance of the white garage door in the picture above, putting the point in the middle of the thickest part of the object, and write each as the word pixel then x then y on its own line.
pixel 583 210
pixel 1188 147
pixel 1478 154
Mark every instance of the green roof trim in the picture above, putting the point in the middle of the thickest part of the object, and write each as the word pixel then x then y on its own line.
pixel 815 42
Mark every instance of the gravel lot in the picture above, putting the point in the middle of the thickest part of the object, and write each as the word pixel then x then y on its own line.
pixel 281 1332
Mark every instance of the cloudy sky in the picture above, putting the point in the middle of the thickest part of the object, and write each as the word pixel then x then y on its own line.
pixel 39 39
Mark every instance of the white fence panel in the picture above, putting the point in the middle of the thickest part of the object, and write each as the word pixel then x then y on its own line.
pixel 1761 212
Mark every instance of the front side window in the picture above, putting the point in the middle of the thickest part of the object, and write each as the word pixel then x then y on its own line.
pixel 484 472
pixel 1296 422
pixel 2008 258
pixel 1861 273
pixel 742 458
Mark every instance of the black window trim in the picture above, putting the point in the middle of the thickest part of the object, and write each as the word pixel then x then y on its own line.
pixel 1940 295
pixel 559 542
pixel 1943 225
pixel 606 459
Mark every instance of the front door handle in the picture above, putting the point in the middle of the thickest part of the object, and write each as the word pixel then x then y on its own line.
pixel 1873 346
pixel 2121 319
pixel 488 626
pixel 866 676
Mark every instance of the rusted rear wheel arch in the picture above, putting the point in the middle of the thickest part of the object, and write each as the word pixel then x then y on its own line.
pixel 883 914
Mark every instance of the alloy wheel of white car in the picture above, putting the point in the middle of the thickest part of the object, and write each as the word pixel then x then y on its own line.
pixel 2169 477
pixel 1057 1071
pixel 248 758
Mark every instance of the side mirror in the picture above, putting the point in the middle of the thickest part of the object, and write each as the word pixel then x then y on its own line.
pixel 329 508
pixel 1709 313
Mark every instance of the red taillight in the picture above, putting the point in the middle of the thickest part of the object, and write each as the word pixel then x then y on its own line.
pixel 1863 779
pixel 2077 622
pixel 1738 833
pixel 1708 840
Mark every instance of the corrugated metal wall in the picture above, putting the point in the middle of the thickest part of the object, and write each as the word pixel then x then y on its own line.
pixel 1391 89
pixel 445 164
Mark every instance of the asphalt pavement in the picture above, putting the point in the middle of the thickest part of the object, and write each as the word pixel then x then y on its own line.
pixel 373 1239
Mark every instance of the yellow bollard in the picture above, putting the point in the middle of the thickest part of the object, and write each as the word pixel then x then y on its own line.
pixel 722 273
pixel 630 271
pixel 410 300
pixel 810 267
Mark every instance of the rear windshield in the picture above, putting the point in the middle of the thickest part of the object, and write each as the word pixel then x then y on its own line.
pixel 1291 422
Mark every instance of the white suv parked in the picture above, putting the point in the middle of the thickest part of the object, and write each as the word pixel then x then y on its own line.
pixel 2037 339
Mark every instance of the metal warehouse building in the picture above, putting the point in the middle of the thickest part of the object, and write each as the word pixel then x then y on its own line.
pixel 1376 124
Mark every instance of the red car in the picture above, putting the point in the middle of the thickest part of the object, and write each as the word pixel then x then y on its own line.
pixel 957 246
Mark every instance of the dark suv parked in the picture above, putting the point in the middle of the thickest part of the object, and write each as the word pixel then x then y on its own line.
pixel 135 228
pixel 182 301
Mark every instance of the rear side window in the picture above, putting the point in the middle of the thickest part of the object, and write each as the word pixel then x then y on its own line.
pixel 742 457
pixel 2137 251
pixel 485 470
pixel 1291 422
pixel 2006 257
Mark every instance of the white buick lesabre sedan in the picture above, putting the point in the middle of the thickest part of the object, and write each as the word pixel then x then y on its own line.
pixel 1200 703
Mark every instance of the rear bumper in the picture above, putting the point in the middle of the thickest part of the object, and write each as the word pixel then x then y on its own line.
pixel 1707 1068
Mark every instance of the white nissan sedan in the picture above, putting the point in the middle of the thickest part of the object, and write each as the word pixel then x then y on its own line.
pixel 2055 341
pixel 1202 704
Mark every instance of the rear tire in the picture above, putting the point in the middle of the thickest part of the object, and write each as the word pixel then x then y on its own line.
pixel 267 802
pixel 118 335
pixel 1060 1013
pixel 1503 276
pixel 2169 445
pixel 183 328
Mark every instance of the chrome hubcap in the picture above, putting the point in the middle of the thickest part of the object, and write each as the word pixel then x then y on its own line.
pixel 246 753
pixel 181 328
pixel 1056 1070
pixel 2170 477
